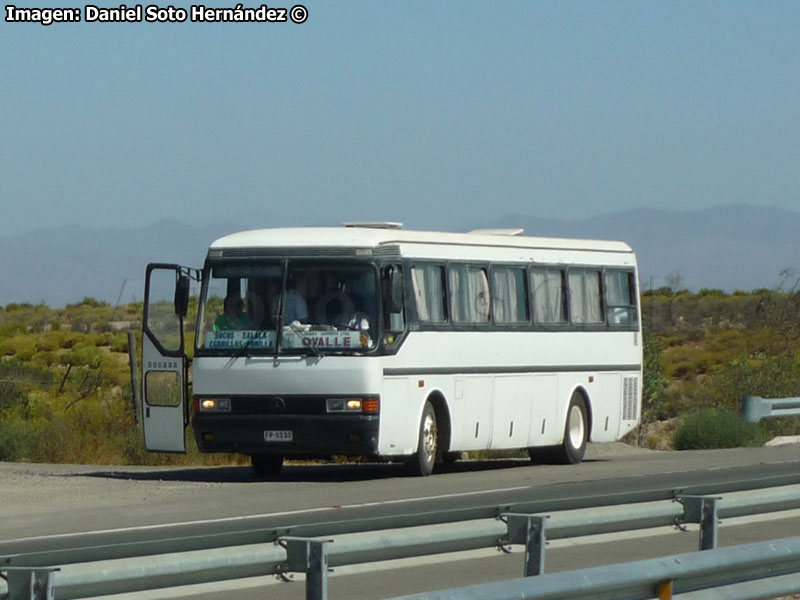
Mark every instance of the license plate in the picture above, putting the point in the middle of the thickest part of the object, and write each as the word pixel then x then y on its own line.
pixel 278 436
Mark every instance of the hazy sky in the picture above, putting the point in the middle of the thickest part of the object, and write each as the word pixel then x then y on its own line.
pixel 432 113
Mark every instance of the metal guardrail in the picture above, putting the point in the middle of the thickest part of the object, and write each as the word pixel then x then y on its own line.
pixel 312 549
pixel 755 408
pixel 760 570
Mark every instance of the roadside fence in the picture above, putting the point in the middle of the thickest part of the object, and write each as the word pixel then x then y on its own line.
pixel 74 571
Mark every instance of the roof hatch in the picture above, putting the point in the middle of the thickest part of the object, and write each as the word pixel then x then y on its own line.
pixel 375 224
pixel 510 231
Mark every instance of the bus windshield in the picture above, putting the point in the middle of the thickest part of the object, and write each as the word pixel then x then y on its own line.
pixel 289 307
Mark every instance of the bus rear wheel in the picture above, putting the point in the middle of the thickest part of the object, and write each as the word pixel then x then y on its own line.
pixel 266 465
pixel 421 463
pixel 576 432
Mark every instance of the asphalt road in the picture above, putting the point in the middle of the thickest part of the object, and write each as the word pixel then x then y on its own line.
pixel 47 500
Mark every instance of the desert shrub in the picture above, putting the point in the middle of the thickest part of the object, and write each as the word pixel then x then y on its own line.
pixel 654 387
pixel 84 354
pixel 11 395
pixel 119 342
pixel 717 429
pixel 25 348
pixel 57 440
pixel 711 293
pixel 8 346
pixel 88 301
pixel 23 373
pixel 684 361
pixel 756 375
pixel 99 339
pixel 45 359
pixel 10 329
pixel 48 342
pixel 17 440
pixel 67 339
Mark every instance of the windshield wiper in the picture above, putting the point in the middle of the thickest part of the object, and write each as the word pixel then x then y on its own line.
pixel 241 351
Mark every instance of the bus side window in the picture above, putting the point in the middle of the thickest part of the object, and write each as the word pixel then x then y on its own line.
pixel 509 295
pixel 428 282
pixel 620 297
pixel 548 290
pixel 469 294
pixel 585 300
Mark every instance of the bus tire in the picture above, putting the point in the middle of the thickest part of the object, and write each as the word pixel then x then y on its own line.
pixel 266 465
pixel 576 432
pixel 421 463
pixel 450 458
pixel 543 455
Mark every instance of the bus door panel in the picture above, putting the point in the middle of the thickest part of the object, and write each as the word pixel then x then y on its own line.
pixel 475 396
pixel 164 411
pixel 511 414
pixel 545 429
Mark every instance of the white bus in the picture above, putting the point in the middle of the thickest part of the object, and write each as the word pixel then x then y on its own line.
pixel 370 340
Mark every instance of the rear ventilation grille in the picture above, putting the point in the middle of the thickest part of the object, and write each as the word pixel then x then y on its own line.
pixel 630 398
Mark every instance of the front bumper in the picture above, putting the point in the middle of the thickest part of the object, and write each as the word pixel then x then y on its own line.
pixel 312 435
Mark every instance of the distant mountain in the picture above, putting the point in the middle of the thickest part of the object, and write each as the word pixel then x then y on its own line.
pixel 726 247
pixel 730 247
pixel 65 264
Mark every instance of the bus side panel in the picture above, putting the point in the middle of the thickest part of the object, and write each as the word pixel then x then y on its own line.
pixel 545 428
pixel 606 394
pixel 513 403
pixel 399 420
pixel 474 397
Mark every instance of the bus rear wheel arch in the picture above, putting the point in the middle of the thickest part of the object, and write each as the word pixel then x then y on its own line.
pixel 577 428
pixel 576 431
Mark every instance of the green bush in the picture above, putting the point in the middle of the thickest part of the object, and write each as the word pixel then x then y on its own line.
pixel 17 440
pixel 45 359
pixel 67 339
pixel 10 395
pixel 48 342
pixel 119 342
pixel 717 429
pixel 13 370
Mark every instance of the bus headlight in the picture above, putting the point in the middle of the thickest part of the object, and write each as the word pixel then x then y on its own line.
pixel 369 405
pixel 212 404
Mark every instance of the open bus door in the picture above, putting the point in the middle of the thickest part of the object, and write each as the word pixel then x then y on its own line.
pixel 165 413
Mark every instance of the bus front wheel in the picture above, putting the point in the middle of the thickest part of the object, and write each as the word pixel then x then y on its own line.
pixel 423 461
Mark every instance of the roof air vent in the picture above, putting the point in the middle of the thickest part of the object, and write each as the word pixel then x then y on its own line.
pixel 375 225
pixel 514 231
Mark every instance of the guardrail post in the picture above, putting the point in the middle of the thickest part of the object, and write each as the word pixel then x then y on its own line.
pixel 317 575
pixel 755 408
pixel 702 510
pixel 530 531
pixel 30 583
pixel 310 557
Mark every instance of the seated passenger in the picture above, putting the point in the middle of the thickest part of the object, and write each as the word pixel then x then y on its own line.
pixel 295 309
pixel 334 308
pixel 294 304
pixel 233 315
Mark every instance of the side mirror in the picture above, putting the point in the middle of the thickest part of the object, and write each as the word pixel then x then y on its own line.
pixel 182 296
